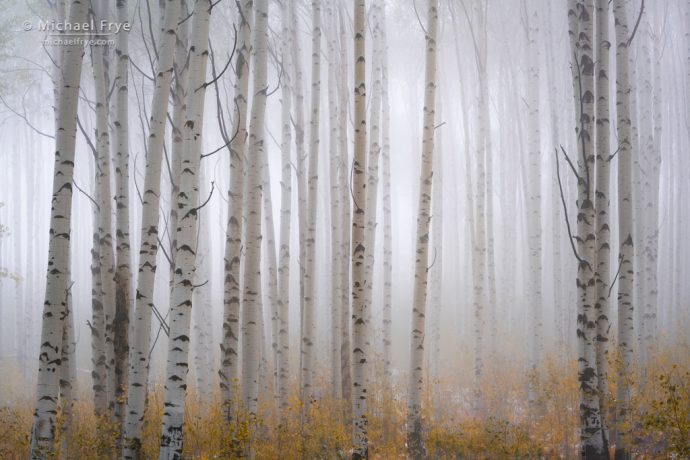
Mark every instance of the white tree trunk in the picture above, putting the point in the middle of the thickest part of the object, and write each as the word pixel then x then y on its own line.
pixel 360 309
pixel 602 276
pixel 148 249
pixel 285 212
pixel 185 258
pixel 591 432
pixel 229 369
pixel 308 326
pixel 626 318
pixel 123 275
pixel 415 444
pixel 47 391
pixel 535 321
pixel 345 219
pixel 335 246
pixel 251 315
pixel 98 328
pixel 387 220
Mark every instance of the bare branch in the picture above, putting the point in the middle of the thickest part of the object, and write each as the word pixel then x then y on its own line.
pixel 565 210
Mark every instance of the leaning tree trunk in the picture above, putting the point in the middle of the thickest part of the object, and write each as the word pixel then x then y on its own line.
pixel 229 347
pixel 415 444
pixel 148 250
pixel 123 275
pixel 185 257
pixel 626 320
pixel 251 315
pixel 47 391
pixel 360 352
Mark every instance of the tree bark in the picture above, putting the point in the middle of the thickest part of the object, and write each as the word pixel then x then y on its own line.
pixel 415 443
pixel 229 371
pixel 47 389
pixel 360 309
pixel 626 318
pixel 185 258
pixel 148 250
pixel 251 315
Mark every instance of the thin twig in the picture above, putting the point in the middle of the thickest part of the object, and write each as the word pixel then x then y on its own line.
pixel 86 195
pixel 565 210
pixel 620 264
pixel 637 24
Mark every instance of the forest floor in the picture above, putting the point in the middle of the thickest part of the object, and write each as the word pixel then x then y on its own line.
pixel 503 427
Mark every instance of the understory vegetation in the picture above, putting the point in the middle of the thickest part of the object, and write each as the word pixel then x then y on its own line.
pixel 502 426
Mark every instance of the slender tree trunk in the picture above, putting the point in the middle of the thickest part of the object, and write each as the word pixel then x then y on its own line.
pixel 285 213
pixel 345 217
pixel 47 391
pixel 591 430
pixel 101 381
pixel 272 269
pixel 229 369
pixel 148 249
pixel 387 220
pixel 602 228
pixel 185 257
pixel 308 326
pixel 535 322
pixel 435 302
pixel 336 247
pixel 415 444
pixel 251 316
pixel 626 318
pixel 360 351
pixel 372 187
pixel 68 373
pixel 123 275
pixel 105 237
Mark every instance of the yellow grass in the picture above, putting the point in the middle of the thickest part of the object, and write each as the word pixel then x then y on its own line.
pixel 506 428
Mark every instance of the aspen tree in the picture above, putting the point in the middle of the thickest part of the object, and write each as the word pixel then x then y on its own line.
pixel 106 256
pixel 271 263
pixel 285 211
pixel 387 220
pixel 535 322
pixel 626 320
pixel 308 326
pixel 99 373
pixel 335 223
pixel 229 371
pixel 177 365
pixel 251 315
pixel 123 275
pixel 345 217
pixel 591 431
pixel 602 228
pixel 360 351
pixel 148 249
pixel 52 327
pixel 374 154
pixel 415 444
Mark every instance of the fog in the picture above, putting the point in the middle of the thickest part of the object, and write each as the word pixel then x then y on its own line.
pixel 506 242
